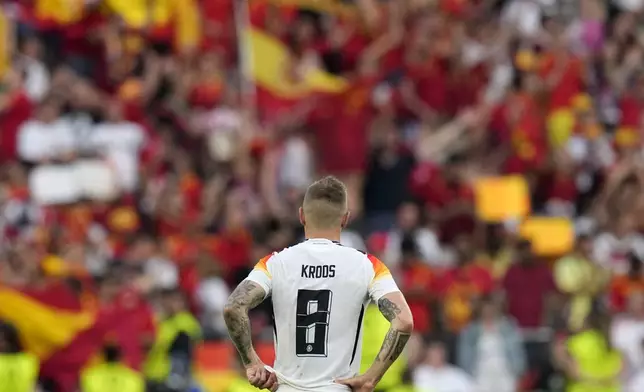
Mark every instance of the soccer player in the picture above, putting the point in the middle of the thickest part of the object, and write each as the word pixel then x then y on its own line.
pixel 319 290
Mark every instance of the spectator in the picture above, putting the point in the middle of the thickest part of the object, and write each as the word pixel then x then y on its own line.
pixel 587 359
pixel 579 277
pixel 174 346
pixel 461 286
pixel 532 301
pixel 435 374
pixel 408 223
pixel 211 298
pixel 624 286
pixel 627 334
pixel 46 138
pixel 491 350
pixel 499 252
pixel 386 185
pixel 18 370
pixel 417 282
pixel 100 377
pixel 612 247
pixel 637 381
pixel 529 288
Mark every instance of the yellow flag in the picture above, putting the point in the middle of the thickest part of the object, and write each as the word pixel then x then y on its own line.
pixel 501 198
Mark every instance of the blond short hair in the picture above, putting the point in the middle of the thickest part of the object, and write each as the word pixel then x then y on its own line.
pixel 325 203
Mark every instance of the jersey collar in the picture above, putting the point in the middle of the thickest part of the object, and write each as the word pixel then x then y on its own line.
pixel 321 240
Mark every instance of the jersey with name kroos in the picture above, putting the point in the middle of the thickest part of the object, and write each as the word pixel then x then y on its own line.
pixel 319 291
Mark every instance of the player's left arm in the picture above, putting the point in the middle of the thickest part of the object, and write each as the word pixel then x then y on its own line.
pixel 245 297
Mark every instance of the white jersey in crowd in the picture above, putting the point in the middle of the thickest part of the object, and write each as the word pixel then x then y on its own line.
pixel 319 290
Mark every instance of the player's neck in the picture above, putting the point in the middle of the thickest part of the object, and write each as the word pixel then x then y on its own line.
pixel 331 235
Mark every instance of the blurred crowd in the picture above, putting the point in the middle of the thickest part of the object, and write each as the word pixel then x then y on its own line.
pixel 141 169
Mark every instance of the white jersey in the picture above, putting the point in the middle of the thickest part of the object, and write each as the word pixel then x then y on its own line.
pixel 319 290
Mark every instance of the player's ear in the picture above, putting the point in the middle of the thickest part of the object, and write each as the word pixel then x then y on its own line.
pixel 302 218
pixel 345 219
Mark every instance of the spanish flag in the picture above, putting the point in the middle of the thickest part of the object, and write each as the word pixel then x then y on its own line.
pixel 56 325
pixel 280 79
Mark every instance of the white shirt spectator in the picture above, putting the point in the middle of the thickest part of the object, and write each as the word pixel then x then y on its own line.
pixel 39 141
pixel 353 240
pixel 296 165
pixel 212 294
pixel 120 143
pixel 612 252
pixel 443 379
pixel 627 335
pixel 37 79
pixel 524 15
pixel 429 247
pixel 164 273
pixel 637 383
pixel 493 372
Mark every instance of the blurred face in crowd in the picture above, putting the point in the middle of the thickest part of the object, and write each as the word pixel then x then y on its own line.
pixel 625 226
pixel 49 111
pixel 525 254
pixel 235 216
pixel 143 249
pixel 464 249
pixel 585 246
pixel 109 289
pixel 304 31
pixel 435 355
pixel 490 310
pixel 9 340
pixel 210 64
pixel 32 48
pixel 173 303
pixel 408 217
pixel 114 112
pixel 636 304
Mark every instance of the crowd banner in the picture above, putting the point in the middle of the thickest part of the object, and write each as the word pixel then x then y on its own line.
pixel 498 199
pixel 550 236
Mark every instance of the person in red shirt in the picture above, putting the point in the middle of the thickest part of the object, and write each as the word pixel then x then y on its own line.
pixel 450 200
pixel 416 281
pixel 528 285
pixel 462 285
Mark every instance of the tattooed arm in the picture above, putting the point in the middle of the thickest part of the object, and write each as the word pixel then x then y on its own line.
pixel 394 307
pixel 245 297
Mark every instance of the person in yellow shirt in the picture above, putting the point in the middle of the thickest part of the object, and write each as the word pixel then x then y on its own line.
pixel 18 370
pixel 172 351
pixel 111 375
pixel 588 361
pixel 375 328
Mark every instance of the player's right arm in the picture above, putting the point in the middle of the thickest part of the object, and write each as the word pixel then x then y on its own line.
pixel 393 306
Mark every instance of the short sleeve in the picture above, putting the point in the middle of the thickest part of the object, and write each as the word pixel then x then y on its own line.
pixel 261 275
pixel 382 283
